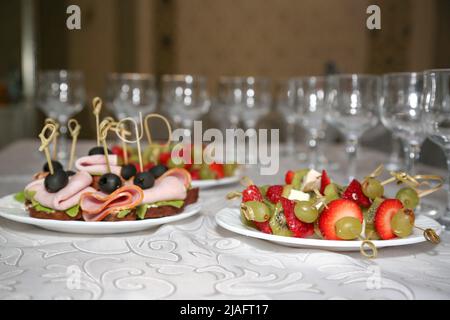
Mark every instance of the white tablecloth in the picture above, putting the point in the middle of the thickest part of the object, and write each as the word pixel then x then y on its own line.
pixel 196 259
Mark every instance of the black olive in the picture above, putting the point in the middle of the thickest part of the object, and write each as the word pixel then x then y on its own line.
pixel 56 166
pixel 70 173
pixel 57 181
pixel 109 183
pixel 128 171
pixel 158 171
pixel 144 180
pixel 98 150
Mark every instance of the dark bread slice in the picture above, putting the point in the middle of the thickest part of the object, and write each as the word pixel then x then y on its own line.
pixel 57 215
pixel 166 211
pixel 129 217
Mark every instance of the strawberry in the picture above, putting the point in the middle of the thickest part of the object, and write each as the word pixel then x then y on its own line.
pixel 324 181
pixel 118 151
pixel 164 158
pixel 298 228
pixel 386 211
pixel 263 227
pixel 335 211
pixel 354 192
pixel 289 177
pixel 148 166
pixel 217 169
pixel 274 193
pixel 252 193
pixel 195 174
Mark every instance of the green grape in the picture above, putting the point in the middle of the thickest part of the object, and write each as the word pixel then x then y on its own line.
pixel 298 178
pixel 348 228
pixel 206 173
pixel 245 221
pixel 372 188
pixel 229 169
pixel 409 198
pixel 370 232
pixel 255 211
pixel 306 212
pixel 287 191
pixel 402 223
pixel 171 164
pixel 331 192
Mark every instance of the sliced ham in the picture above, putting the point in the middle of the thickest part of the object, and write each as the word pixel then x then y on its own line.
pixel 181 174
pixel 65 198
pixel 96 164
pixel 165 188
pixel 96 206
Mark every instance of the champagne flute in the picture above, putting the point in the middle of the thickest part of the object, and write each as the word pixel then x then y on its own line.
pixel 436 118
pixel 61 94
pixel 352 108
pixel 287 107
pixel 129 94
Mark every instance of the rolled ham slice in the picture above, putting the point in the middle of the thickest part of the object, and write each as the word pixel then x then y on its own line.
pixel 96 206
pixel 181 174
pixel 165 188
pixel 65 198
pixel 96 164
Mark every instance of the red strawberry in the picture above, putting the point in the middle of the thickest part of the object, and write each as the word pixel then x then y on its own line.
pixel 354 192
pixel 289 177
pixel 324 181
pixel 263 227
pixel 298 228
pixel 274 193
pixel 335 211
pixel 252 193
pixel 164 158
pixel 217 169
pixel 148 166
pixel 195 174
pixel 385 212
pixel 118 151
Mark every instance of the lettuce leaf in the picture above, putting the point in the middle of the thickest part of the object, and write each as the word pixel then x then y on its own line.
pixel 123 213
pixel 72 212
pixel 20 197
pixel 142 209
pixel 40 207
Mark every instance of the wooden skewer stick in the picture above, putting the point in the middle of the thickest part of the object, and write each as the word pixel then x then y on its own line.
pixel 105 126
pixel 139 134
pixel 45 142
pixel 55 138
pixel 74 129
pixel 122 132
pixel 97 106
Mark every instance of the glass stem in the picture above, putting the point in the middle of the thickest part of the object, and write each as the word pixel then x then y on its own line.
pixel 447 212
pixel 396 150
pixel 412 152
pixel 290 138
pixel 352 152
pixel 313 151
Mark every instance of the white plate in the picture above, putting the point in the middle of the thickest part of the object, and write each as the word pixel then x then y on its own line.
pixel 12 210
pixel 229 218
pixel 204 184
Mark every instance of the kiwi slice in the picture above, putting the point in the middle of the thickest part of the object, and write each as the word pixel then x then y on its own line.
pixel 278 222
pixel 369 214
pixel 297 181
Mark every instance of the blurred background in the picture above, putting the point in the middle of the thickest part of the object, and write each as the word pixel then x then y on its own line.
pixel 273 38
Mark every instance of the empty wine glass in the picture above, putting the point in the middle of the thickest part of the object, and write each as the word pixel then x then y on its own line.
pixel 436 104
pixel 401 112
pixel 287 107
pixel 352 108
pixel 229 98
pixel 186 98
pixel 60 95
pixel 128 94
pixel 310 92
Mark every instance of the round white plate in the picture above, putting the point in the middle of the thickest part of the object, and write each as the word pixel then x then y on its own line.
pixel 229 218
pixel 204 184
pixel 12 210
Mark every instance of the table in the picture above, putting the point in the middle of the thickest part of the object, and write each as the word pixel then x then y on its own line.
pixel 196 259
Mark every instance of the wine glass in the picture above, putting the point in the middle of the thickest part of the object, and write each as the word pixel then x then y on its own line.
pixel 352 108
pixel 128 94
pixel 401 112
pixel 287 107
pixel 436 118
pixel 60 95
pixel 229 99
pixel 311 92
pixel 186 98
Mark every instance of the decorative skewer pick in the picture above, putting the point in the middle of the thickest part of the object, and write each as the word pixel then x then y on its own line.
pixel 122 132
pixel 104 128
pixel 74 129
pixel 55 138
pixel 97 106
pixel 47 135
pixel 147 129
